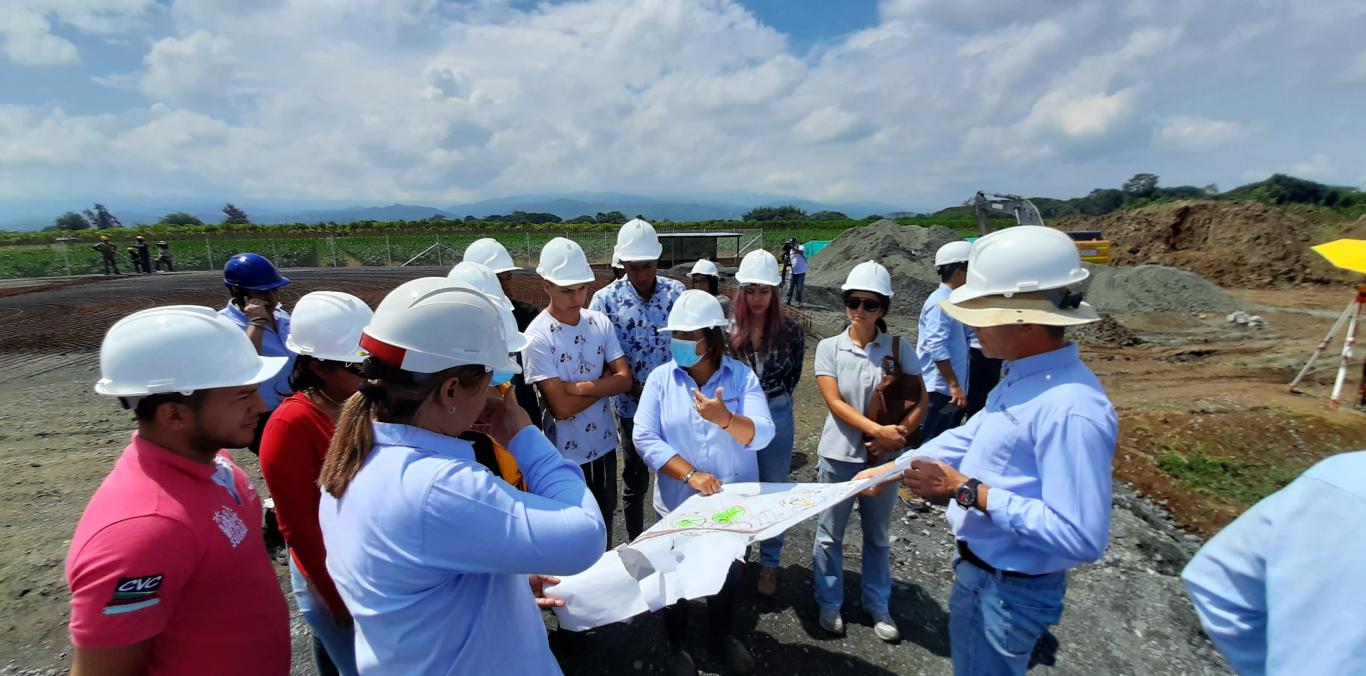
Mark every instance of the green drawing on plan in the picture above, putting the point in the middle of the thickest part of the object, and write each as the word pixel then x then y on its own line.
pixel 729 516
pixel 689 522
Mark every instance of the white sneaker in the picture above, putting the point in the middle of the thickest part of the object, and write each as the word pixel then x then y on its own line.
pixel 885 628
pixel 832 622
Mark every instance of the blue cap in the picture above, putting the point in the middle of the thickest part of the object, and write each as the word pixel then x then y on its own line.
pixel 252 272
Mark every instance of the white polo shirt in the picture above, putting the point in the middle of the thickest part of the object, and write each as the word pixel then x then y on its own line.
pixel 857 370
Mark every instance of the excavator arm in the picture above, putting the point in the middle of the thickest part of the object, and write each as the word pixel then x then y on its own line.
pixel 1092 246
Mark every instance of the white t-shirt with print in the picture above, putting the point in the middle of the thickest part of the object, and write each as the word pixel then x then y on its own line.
pixel 575 354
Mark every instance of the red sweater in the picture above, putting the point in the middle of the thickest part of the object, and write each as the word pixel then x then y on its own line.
pixel 293 447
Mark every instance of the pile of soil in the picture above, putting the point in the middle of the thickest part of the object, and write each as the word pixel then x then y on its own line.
pixel 1107 331
pixel 1153 288
pixel 907 251
pixel 1238 244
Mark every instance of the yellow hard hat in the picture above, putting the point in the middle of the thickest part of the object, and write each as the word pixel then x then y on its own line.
pixel 104 238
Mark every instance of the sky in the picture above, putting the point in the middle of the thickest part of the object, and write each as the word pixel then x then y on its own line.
pixel 917 103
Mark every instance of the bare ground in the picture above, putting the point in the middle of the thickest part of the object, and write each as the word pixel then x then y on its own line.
pixel 1195 381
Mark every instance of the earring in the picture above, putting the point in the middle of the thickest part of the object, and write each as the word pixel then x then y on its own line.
pixel 452 411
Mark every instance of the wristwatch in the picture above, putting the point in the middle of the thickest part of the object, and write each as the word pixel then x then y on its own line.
pixel 966 495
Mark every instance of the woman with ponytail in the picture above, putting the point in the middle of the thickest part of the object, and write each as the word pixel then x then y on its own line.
pixel 431 551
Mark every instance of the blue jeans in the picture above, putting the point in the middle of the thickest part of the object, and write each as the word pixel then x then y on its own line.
pixel 338 642
pixel 827 557
pixel 994 620
pixel 798 286
pixel 775 464
pixel 940 417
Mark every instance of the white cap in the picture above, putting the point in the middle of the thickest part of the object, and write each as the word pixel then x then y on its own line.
pixel 327 325
pixel 563 263
pixel 695 309
pixel 953 252
pixel 431 324
pixel 1020 259
pixel 491 253
pixel 704 267
pixel 179 348
pixel 869 276
pixel 638 241
pixel 759 267
pixel 480 278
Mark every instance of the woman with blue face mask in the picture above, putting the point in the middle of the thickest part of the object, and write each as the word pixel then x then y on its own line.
pixel 702 419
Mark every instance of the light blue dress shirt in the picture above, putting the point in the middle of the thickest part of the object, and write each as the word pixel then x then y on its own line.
pixel 275 390
pixel 1280 589
pixel 431 552
pixel 941 338
pixel 668 424
pixel 1044 444
pixel 638 323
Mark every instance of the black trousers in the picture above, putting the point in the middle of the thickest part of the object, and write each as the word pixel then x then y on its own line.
pixel 983 374
pixel 601 475
pixel 635 480
pixel 720 614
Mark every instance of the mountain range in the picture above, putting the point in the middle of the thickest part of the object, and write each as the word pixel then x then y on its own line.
pixel 36 214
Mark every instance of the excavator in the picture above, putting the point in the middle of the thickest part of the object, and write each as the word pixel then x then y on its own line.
pixel 1091 244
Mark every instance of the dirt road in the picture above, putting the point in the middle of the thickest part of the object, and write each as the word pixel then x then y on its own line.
pixel 1195 383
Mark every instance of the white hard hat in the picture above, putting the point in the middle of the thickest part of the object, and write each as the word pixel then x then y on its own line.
pixel 759 267
pixel 704 267
pixel 432 324
pixel 1020 259
pixel 616 258
pixel 953 252
pixel 480 278
pixel 563 263
pixel 695 309
pixel 637 241
pixel 327 325
pixel 869 276
pixel 491 253
pixel 179 348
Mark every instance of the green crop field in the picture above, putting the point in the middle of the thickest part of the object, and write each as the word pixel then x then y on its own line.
pixel 365 247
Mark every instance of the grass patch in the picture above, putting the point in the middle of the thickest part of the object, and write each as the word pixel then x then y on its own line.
pixel 1234 479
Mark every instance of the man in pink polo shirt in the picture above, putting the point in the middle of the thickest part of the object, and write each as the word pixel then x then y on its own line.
pixel 167 571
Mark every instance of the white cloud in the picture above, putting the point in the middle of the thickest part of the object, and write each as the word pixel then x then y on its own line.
pixel 1317 166
pixel 831 123
pixel 26 37
pixel 28 41
pixel 196 70
pixel 436 101
pixel 1196 134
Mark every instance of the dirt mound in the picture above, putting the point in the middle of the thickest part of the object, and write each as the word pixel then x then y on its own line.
pixel 1231 243
pixel 1107 331
pixel 907 251
pixel 1154 288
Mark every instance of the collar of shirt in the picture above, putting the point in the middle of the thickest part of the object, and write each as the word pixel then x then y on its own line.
pixel 1019 369
pixel 149 452
pixel 845 342
pixel 241 317
pixel 394 434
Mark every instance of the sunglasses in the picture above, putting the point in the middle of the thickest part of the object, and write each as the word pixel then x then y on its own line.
pixel 869 304
pixel 352 367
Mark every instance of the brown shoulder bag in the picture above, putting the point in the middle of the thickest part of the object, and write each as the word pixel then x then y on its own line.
pixel 894 397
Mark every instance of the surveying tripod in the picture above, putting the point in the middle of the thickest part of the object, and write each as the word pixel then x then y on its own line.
pixel 1355 311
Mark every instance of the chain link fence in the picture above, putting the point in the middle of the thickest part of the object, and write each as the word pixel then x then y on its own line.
pixel 307 250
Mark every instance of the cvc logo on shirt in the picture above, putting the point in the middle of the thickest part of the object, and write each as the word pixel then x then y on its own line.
pixel 231 525
pixel 134 593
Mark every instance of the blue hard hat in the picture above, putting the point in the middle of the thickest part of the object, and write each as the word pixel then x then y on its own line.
pixel 252 272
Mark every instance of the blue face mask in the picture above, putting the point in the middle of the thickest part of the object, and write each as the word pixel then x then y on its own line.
pixel 500 378
pixel 684 352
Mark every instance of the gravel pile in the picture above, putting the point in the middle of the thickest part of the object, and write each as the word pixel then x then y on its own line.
pixel 1107 331
pixel 1154 288
pixel 907 251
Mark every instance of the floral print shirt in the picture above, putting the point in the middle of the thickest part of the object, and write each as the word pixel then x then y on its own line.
pixel 637 322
